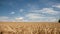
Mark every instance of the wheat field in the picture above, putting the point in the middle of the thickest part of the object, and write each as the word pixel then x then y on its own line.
pixel 29 28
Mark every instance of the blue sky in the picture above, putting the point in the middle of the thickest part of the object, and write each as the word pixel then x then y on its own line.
pixel 30 10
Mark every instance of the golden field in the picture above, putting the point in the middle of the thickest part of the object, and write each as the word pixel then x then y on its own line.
pixel 29 28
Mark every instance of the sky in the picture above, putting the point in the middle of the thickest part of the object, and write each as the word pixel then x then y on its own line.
pixel 29 10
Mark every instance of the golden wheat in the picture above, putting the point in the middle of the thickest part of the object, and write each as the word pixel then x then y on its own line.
pixel 29 28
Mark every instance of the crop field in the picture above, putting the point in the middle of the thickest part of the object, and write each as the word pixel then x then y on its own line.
pixel 29 28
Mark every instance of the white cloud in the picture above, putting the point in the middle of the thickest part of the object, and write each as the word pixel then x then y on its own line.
pixel 3 18
pixel 38 15
pixel 57 6
pixel 49 11
pixel 8 19
pixel 29 5
pixel 21 10
pixel 12 13
pixel 33 15
pixel 18 19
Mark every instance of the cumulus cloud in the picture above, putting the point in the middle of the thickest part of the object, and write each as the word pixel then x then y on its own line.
pixel 12 13
pixel 18 19
pixel 57 5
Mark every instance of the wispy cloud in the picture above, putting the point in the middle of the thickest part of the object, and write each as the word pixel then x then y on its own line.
pixel 42 15
pixel 12 13
pixel 46 10
pixel 8 19
pixel 40 18
pixel 56 5
pixel 36 10
pixel 33 15
pixel 21 10
pixel 4 18
pixel 49 11
pixel 19 19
